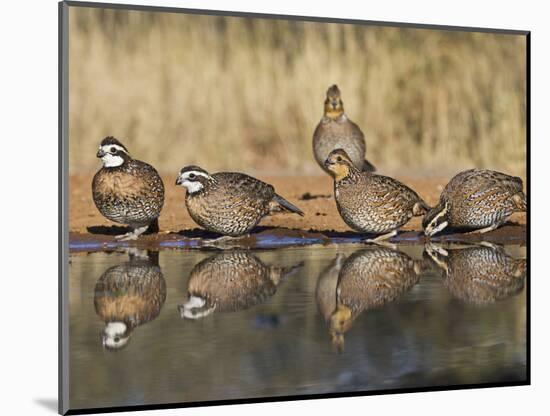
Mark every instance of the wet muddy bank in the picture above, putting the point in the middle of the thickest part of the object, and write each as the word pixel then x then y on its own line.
pixel 275 237
pixel 322 224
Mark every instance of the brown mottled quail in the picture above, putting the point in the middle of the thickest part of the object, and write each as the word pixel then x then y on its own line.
pixel 337 131
pixel 371 203
pixel 229 203
pixel 370 278
pixel 476 199
pixel 230 282
pixel 126 190
pixel 479 274
pixel 129 295
pixel 327 283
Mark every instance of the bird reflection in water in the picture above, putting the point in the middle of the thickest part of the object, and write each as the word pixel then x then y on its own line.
pixel 480 274
pixel 129 295
pixel 367 279
pixel 230 282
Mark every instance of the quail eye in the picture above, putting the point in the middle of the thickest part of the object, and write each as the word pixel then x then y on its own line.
pixel 339 158
pixel 191 176
pixel 117 339
pixel 113 149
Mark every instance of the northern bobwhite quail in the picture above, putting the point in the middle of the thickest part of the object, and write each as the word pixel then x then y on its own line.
pixel 230 282
pixel 369 278
pixel 126 190
pixel 129 295
pixel 337 131
pixel 479 274
pixel 229 203
pixel 476 199
pixel 371 203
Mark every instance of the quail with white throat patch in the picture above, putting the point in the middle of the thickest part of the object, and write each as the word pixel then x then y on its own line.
pixel 126 190
pixel 231 281
pixel 337 131
pixel 371 203
pixel 476 199
pixel 129 295
pixel 481 273
pixel 229 203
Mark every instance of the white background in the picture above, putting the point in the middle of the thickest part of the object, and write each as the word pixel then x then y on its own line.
pixel 28 203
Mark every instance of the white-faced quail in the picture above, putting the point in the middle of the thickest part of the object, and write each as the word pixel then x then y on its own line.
pixel 229 203
pixel 476 199
pixel 125 190
pixel 230 282
pixel 129 295
pixel 481 274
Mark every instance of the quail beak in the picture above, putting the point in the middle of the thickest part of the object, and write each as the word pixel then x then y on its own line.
pixel 100 153
pixel 328 163
pixel 334 104
pixel 179 181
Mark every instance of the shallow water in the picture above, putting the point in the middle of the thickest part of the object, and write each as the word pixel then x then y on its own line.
pixel 212 325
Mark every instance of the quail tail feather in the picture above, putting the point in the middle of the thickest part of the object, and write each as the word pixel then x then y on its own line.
pixel 520 201
pixel 420 208
pixel 368 167
pixel 287 206
pixel 285 272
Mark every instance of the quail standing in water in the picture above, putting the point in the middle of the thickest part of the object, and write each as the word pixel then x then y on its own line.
pixel 229 203
pixel 371 203
pixel 481 274
pixel 369 278
pixel 337 131
pixel 230 282
pixel 477 199
pixel 126 190
pixel 129 295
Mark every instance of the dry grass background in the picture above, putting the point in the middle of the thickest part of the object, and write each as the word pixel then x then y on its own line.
pixel 246 94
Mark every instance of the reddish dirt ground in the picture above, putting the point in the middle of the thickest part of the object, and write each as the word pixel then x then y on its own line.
pixel 321 214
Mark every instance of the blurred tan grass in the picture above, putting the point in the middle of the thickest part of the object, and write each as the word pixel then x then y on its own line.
pixel 246 94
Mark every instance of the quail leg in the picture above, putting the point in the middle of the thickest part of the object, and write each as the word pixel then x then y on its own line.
pixel 224 241
pixel 492 227
pixel 491 245
pixel 382 237
pixel 132 235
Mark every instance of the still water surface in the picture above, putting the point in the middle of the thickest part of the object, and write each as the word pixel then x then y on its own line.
pixel 186 326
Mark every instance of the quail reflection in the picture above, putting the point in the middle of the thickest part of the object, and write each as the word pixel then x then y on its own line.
pixel 230 282
pixel 327 283
pixel 478 274
pixel 367 279
pixel 129 295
